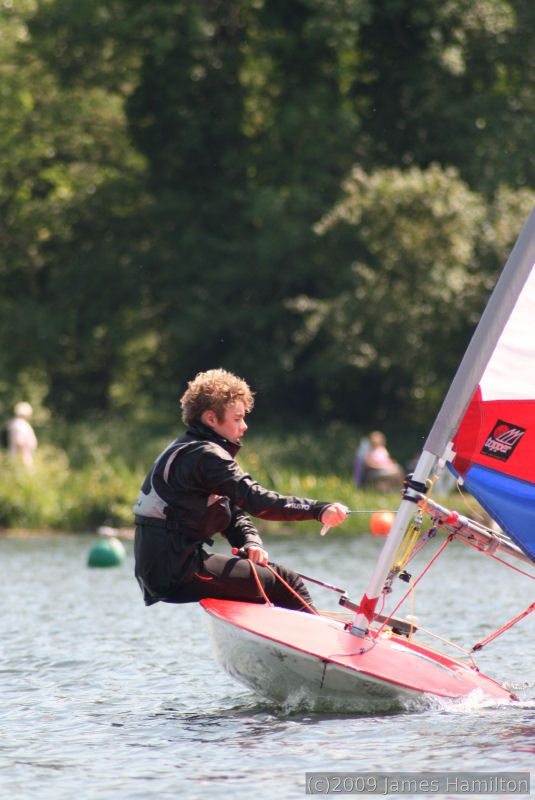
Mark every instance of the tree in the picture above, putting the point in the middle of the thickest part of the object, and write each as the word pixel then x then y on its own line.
pixel 418 255
pixel 450 83
pixel 66 173
pixel 240 110
pixel 164 165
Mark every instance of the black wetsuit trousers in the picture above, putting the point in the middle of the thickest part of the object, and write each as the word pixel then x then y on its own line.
pixel 235 578
pixel 174 570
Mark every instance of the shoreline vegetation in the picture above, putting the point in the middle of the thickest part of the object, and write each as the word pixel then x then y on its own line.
pixel 90 477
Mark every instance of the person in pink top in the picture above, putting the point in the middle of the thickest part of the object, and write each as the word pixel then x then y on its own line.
pixel 21 436
pixel 381 470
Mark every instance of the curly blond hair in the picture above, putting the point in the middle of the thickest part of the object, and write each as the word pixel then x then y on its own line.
pixel 214 390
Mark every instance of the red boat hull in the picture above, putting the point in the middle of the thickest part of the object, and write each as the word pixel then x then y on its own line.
pixel 285 654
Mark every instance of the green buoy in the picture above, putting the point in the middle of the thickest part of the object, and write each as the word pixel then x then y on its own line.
pixel 107 552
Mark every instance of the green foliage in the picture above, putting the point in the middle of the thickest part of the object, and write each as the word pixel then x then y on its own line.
pixel 33 500
pixel 410 245
pixel 165 169
pixel 450 83
pixel 78 490
pixel 68 178
pixel 92 475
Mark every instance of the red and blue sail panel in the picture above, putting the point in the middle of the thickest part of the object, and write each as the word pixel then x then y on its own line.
pixel 495 443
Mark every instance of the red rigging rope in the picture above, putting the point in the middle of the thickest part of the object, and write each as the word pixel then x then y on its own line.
pixel 286 585
pixel 496 558
pixel 500 630
pixel 259 585
pixel 292 590
pixel 418 579
pixel 516 619
pixel 505 627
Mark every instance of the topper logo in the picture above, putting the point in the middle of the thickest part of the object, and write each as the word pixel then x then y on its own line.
pixel 502 440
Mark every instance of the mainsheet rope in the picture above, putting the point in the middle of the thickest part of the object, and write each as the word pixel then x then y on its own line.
pixel 284 583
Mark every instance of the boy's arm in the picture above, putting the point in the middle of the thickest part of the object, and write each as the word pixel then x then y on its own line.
pixel 221 473
pixel 241 533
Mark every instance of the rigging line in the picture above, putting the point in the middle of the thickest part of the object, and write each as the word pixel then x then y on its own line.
pixel 339 616
pixel 420 545
pixel 449 643
pixel 287 585
pixel 504 628
pixel 292 590
pixel 466 498
pixel 369 511
pixel 389 616
pixel 430 482
pixel 259 585
pixel 358 652
pixel 407 545
pixel 236 551
pixel 408 542
pixel 495 557
pixel 419 578
pixel 412 609
pixel 412 534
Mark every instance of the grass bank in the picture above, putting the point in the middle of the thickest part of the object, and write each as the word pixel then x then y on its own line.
pixel 91 474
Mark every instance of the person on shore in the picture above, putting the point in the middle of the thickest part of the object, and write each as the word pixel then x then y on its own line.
pixel 22 441
pixel 196 489
pixel 381 471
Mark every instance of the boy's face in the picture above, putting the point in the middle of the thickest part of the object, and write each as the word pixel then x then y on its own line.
pixel 233 425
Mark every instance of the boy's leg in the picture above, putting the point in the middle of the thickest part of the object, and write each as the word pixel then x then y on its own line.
pixel 234 578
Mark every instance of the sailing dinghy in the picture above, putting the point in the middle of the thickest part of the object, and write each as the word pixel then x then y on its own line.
pixel 485 434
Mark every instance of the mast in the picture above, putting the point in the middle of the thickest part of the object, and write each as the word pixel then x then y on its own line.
pixel 466 380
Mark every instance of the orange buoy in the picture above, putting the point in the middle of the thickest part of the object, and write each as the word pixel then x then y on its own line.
pixel 381 522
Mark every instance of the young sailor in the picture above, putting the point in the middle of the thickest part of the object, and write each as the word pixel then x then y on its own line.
pixel 196 489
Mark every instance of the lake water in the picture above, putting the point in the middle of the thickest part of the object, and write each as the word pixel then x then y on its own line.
pixel 104 698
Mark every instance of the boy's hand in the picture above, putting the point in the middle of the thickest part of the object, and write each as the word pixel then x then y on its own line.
pixel 257 555
pixel 334 515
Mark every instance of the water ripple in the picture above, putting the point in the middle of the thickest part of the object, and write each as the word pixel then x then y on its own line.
pixel 105 698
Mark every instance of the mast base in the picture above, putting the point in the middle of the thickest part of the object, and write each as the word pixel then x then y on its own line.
pixel 356 631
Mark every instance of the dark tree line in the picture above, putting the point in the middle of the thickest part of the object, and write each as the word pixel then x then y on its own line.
pixel 316 194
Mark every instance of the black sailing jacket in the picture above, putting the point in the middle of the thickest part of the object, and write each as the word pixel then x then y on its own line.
pixel 174 497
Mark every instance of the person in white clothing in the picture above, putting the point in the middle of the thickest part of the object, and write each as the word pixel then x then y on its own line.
pixel 22 441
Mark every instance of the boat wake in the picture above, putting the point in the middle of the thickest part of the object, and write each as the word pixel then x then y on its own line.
pixel 303 701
